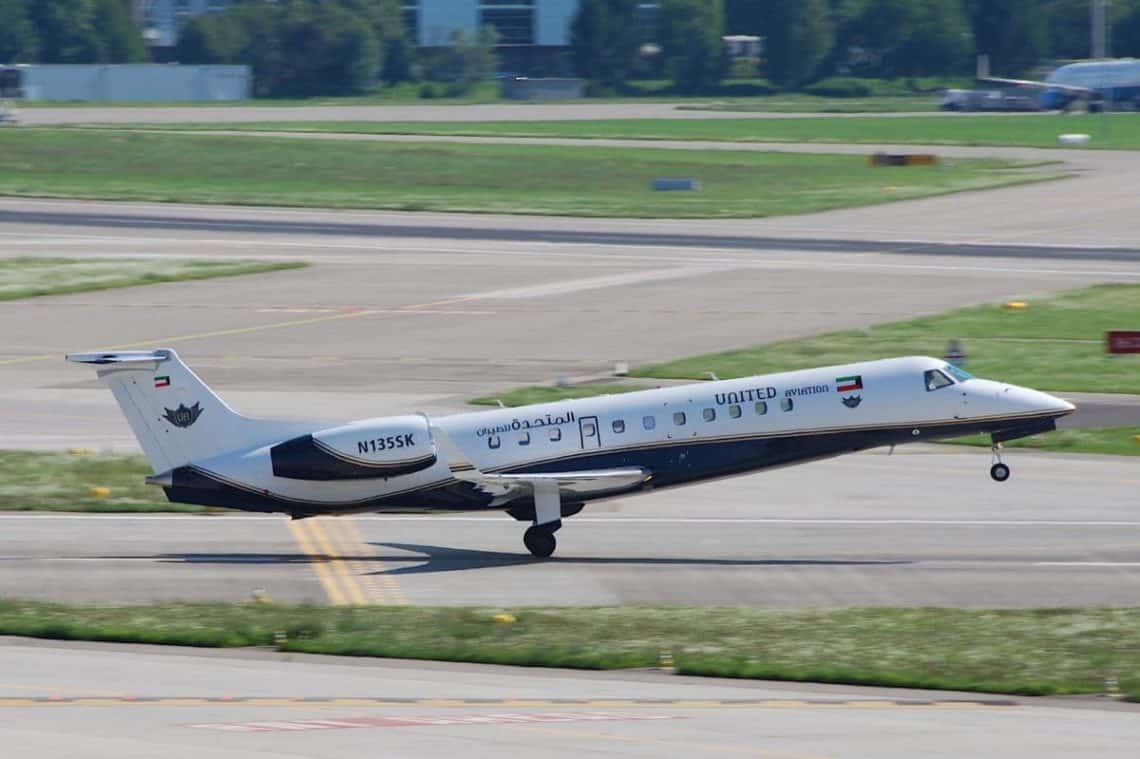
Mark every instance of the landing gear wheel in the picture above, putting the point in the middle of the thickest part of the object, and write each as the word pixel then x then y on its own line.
pixel 539 542
pixel 1000 472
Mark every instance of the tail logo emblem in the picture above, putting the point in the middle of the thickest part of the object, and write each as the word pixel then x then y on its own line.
pixel 183 416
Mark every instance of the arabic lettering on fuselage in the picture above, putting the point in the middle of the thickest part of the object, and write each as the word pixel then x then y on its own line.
pixel 527 424
pixel 745 396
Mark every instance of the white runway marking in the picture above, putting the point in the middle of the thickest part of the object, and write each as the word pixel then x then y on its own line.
pixel 1100 564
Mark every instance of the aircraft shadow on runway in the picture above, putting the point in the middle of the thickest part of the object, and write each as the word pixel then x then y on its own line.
pixel 448 559
pixel 432 559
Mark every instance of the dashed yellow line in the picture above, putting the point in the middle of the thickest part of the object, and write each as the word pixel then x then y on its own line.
pixel 324 574
pixel 345 564
pixel 389 583
pixel 333 556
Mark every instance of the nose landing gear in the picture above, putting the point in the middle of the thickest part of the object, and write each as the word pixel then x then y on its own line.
pixel 999 471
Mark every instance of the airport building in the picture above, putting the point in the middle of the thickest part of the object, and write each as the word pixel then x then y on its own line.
pixel 527 29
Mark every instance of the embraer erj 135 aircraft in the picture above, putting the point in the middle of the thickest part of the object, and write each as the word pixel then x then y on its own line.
pixel 542 463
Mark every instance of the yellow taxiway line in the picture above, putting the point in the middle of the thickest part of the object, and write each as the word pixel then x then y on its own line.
pixel 346 565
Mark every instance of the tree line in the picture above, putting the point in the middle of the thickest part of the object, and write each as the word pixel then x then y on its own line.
pixel 310 47
pixel 809 40
pixel 68 31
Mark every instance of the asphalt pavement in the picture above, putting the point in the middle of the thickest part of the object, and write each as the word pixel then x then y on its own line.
pixel 96 701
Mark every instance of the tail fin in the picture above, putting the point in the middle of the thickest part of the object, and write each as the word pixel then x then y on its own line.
pixel 175 416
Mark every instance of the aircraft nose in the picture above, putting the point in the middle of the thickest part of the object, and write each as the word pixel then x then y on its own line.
pixel 1027 399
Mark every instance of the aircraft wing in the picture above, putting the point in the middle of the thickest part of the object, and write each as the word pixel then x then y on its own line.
pixel 571 485
pixel 594 482
pixel 1072 89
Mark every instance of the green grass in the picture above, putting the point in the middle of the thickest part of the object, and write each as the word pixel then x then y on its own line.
pixel 523 396
pixel 801 103
pixel 1118 131
pixel 27 277
pixel 584 181
pixel 1025 652
pixel 1057 343
pixel 1117 441
pixel 51 481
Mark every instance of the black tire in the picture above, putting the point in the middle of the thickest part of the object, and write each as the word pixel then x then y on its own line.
pixel 999 472
pixel 541 543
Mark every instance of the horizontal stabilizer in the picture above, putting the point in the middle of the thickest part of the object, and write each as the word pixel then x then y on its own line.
pixel 120 357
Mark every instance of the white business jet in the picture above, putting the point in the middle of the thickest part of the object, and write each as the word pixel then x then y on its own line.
pixel 543 462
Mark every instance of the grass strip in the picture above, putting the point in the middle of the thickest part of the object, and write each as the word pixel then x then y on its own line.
pixel 1032 652
pixel 27 277
pixel 1055 343
pixel 55 481
pixel 1117 441
pixel 527 179
pixel 1112 131
pixel 523 396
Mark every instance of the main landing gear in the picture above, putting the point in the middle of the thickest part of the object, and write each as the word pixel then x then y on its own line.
pixel 999 471
pixel 539 539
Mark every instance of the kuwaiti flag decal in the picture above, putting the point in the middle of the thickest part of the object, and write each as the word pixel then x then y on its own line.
pixel 847 384
pixel 163 381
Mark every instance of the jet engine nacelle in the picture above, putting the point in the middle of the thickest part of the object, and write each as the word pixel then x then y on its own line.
pixel 374 448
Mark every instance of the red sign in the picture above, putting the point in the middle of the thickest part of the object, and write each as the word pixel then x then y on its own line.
pixel 1123 341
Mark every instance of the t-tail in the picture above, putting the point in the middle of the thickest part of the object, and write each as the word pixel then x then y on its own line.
pixel 176 418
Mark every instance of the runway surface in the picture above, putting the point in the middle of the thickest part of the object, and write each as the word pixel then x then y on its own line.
pixel 421 311
pixel 135 702
pixel 41 115
pixel 424 311
pixel 925 526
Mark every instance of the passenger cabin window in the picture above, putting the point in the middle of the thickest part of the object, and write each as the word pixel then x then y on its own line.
pixel 494 442
pixel 786 404
pixel 761 408
pixel 678 418
pixel 734 411
pixel 648 422
pixel 555 434
pixel 524 438
pixel 709 414
pixel 936 380
pixel 619 426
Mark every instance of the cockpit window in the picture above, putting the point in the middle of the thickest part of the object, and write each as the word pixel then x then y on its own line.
pixel 958 373
pixel 936 380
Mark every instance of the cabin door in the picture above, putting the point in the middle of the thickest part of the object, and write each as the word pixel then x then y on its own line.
pixel 589 432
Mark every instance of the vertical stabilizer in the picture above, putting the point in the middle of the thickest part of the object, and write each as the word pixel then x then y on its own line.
pixel 175 416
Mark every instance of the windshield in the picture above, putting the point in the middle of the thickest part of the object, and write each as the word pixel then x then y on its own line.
pixel 959 374
pixel 936 380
